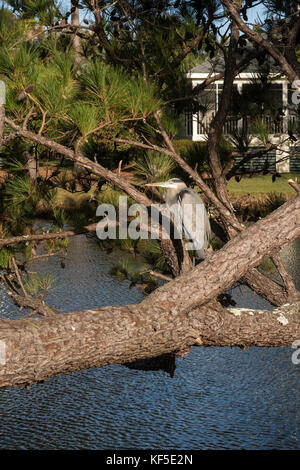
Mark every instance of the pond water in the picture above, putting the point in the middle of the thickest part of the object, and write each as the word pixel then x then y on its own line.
pixel 219 398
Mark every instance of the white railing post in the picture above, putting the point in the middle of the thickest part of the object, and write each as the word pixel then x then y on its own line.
pixel 195 126
pixel 285 105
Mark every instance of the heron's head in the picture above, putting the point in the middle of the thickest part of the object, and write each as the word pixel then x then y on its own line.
pixel 173 183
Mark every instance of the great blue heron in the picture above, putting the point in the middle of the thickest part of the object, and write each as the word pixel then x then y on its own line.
pixel 189 212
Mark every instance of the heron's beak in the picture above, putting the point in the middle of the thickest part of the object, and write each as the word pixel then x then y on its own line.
pixel 160 185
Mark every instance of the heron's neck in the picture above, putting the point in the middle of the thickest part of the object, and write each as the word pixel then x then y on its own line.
pixel 172 195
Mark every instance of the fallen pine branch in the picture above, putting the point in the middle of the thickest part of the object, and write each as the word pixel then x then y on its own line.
pixel 38 237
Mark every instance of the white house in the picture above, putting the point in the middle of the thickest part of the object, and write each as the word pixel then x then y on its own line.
pixel 286 158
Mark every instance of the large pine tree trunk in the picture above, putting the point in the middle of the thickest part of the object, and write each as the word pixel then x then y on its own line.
pixel 40 348
pixel 76 39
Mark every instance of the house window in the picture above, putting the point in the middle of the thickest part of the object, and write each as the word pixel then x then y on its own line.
pixel 295 160
pixel 232 119
pixel 207 102
pixel 265 101
pixel 293 95
pixel 207 99
pixel 204 122
pixel 188 122
pixel 274 96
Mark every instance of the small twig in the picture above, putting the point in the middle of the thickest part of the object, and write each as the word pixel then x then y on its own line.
pixel 31 323
pixel 45 256
pixel 35 312
pixel 18 276
pixel 9 284
pixel 37 305
pixel 290 288
pixel 158 275
pixel 44 113
pixel 120 167
pixel 27 117
pixel 47 236
pixel 294 185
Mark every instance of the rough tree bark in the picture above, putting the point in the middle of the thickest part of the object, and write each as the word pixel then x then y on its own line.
pixel 216 129
pixel 177 315
pixel 40 348
pixel 75 22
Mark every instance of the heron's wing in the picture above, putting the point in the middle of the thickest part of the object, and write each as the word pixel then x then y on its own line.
pixel 195 219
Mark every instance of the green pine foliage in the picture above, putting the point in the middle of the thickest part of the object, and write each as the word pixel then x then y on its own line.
pixel 136 68
pixel 39 283
pixel 117 96
pixel 4 258
pixel 154 167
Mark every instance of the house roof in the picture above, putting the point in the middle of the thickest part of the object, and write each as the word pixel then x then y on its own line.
pixel 254 67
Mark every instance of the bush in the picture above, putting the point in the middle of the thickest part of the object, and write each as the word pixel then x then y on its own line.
pixel 196 153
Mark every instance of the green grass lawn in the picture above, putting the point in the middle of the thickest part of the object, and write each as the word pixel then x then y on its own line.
pixel 262 185
pixel 255 186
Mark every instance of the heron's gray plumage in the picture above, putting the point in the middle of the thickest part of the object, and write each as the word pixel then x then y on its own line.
pixel 189 212
pixel 188 197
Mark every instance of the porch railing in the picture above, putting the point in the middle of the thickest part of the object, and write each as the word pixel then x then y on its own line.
pixel 233 123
